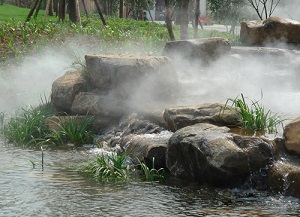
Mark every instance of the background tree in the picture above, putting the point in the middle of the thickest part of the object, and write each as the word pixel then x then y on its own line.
pixel 228 11
pixel 264 8
pixel 169 20
pixel 183 17
pixel 74 12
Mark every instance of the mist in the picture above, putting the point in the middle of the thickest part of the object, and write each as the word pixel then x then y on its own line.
pixel 271 80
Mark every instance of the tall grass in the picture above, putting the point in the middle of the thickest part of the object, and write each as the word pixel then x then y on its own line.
pixel 26 127
pixel 255 117
pixel 70 129
pixel 152 174
pixel 107 168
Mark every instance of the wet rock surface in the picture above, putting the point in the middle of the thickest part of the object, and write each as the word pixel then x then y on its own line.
pixel 209 154
pixel 292 136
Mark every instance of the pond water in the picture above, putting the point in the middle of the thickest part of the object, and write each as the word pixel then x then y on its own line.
pixel 59 191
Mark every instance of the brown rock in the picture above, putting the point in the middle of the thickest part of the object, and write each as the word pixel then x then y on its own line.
pixel 146 147
pixel 292 136
pixel 65 88
pixel 273 29
pixel 181 116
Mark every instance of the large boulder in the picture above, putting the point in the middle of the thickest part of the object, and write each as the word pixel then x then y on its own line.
pixel 147 147
pixel 130 76
pixel 284 177
pixel 65 88
pixel 209 154
pixel 203 50
pixel 98 105
pixel 292 136
pixel 214 113
pixel 272 30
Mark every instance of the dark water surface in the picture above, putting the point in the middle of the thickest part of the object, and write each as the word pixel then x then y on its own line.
pixel 59 191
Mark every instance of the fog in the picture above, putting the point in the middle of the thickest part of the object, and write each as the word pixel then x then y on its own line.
pixel 271 79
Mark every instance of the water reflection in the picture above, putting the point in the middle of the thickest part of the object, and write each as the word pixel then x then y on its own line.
pixel 59 191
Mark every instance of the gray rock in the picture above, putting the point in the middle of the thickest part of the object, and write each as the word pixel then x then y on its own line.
pixel 181 116
pixel 209 154
pixel 203 50
pixel 127 76
pixel 65 88
pixel 146 147
pixel 98 105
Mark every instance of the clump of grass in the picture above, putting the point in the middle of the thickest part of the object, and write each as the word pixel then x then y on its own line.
pixel 26 127
pixel 255 117
pixel 152 174
pixel 70 129
pixel 107 168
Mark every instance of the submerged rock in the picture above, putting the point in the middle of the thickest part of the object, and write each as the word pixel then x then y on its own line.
pixel 209 154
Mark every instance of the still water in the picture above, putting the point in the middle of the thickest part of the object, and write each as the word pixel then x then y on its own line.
pixel 59 191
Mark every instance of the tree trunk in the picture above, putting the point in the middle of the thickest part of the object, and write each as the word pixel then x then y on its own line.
pixel 169 21
pixel 197 16
pixel 38 8
pixel 121 8
pixel 85 10
pixel 47 9
pixel 31 10
pixel 100 13
pixel 184 19
pixel 62 10
pixel 51 8
pixel 2 2
pixel 74 13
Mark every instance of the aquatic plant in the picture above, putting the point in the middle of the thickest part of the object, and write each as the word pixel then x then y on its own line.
pixel 152 174
pixel 107 167
pixel 71 129
pixel 255 117
pixel 26 127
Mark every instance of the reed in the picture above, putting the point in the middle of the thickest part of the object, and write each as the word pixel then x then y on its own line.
pixel 255 117
pixel 152 174
pixel 69 129
pixel 111 167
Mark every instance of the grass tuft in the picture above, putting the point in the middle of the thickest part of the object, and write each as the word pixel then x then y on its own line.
pixel 152 174
pixel 107 168
pixel 255 117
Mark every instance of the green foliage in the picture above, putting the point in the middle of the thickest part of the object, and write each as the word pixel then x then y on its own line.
pixel 27 126
pixel 8 12
pixel 228 11
pixel 152 174
pixel 255 117
pixel 107 168
pixel 70 129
